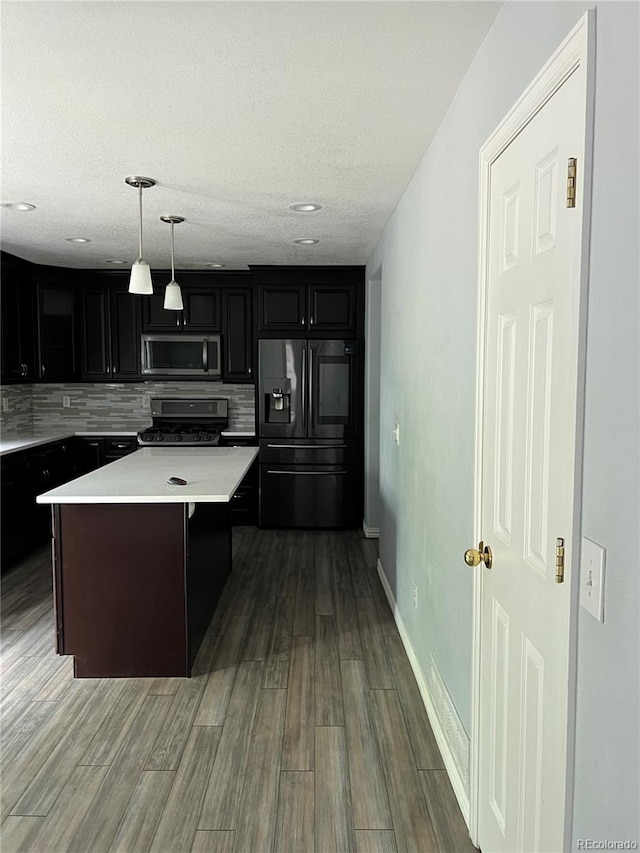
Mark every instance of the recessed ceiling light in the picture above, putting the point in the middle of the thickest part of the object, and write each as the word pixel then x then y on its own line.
pixel 114 261
pixel 305 206
pixel 215 266
pixel 18 205
pixel 77 239
pixel 306 241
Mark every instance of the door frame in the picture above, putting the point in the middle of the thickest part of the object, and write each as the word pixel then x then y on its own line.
pixel 578 49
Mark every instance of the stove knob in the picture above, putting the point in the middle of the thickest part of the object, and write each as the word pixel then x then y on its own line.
pixel 160 437
pixel 197 437
pixel 206 436
pixel 177 437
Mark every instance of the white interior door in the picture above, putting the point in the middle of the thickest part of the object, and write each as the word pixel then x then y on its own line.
pixel 528 477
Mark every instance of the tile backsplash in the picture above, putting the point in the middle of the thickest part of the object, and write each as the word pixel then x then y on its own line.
pixel 17 410
pixel 95 407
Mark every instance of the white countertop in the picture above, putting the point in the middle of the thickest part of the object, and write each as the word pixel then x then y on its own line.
pixel 11 445
pixel 25 442
pixel 212 475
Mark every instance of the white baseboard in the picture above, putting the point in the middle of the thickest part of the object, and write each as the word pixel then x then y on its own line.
pixel 448 730
pixel 370 532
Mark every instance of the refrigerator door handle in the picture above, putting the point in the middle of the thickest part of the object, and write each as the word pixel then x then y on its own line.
pixel 307 473
pixel 311 430
pixel 304 388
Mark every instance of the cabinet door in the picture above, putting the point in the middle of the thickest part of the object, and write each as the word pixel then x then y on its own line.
pixel 332 308
pixel 18 361
pixel 95 334
pixel 12 367
pixel 125 335
pixel 16 509
pixel 56 333
pixel 201 310
pixel 282 307
pixel 238 337
pixel 155 317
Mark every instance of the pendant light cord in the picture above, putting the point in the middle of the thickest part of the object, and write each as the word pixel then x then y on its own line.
pixel 140 197
pixel 173 266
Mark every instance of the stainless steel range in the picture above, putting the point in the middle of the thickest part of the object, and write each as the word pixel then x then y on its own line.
pixel 186 421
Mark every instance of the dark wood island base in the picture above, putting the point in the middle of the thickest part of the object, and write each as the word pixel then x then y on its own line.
pixel 136 585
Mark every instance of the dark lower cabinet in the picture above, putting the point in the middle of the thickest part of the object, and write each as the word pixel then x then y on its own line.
pixel 244 503
pixel 26 474
pixel 137 603
pixel 95 451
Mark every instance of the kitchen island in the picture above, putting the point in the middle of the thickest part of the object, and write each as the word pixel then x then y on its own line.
pixel 139 564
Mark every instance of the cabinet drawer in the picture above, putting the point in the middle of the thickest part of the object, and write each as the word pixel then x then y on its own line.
pixel 120 446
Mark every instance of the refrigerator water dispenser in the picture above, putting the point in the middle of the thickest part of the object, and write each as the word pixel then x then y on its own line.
pixel 277 408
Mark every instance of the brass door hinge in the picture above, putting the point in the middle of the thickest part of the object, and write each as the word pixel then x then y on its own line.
pixel 559 560
pixel 572 167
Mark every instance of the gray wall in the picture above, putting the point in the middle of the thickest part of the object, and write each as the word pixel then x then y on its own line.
pixel 372 404
pixel 428 254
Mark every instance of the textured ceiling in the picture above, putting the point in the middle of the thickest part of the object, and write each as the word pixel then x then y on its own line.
pixel 237 109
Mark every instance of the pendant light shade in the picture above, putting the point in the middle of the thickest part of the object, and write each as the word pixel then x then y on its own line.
pixel 140 281
pixel 172 293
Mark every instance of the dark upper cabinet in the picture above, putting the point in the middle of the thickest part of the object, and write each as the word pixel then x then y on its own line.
pixel 201 311
pixel 125 335
pixel 237 363
pixel 332 308
pixel 309 300
pixel 109 332
pixel 282 307
pixel 56 314
pixel 18 350
pixel 95 331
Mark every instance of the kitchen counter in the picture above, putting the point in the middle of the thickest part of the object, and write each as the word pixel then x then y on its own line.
pixel 25 442
pixel 139 564
pixel 212 475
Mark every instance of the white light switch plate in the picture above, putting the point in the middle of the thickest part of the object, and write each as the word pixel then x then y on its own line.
pixel 396 434
pixel 592 562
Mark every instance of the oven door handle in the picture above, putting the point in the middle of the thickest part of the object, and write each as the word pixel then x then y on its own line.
pixel 307 473
pixel 205 355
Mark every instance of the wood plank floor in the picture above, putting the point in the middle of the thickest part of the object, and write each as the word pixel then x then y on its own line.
pixel 301 731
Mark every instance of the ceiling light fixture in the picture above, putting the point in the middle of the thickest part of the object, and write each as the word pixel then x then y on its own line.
pixel 140 281
pixel 114 261
pixel 77 239
pixel 215 266
pixel 305 206
pixel 18 205
pixel 172 293
pixel 306 241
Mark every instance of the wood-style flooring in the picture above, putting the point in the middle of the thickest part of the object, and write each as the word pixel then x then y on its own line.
pixel 301 731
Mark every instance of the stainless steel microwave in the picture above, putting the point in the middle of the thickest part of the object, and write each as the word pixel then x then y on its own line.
pixel 181 355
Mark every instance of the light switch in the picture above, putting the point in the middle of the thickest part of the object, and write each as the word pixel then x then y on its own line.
pixel 592 562
pixel 396 434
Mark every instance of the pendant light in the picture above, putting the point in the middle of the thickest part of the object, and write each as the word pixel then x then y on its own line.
pixel 140 281
pixel 172 293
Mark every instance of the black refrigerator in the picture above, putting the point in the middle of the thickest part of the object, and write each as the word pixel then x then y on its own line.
pixel 307 423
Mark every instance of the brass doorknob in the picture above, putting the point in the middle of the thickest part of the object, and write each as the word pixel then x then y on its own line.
pixel 482 555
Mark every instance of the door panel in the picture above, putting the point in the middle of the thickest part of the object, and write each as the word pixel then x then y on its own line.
pixel 528 457
pixel 308 496
pixel 332 389
pixel 282 389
